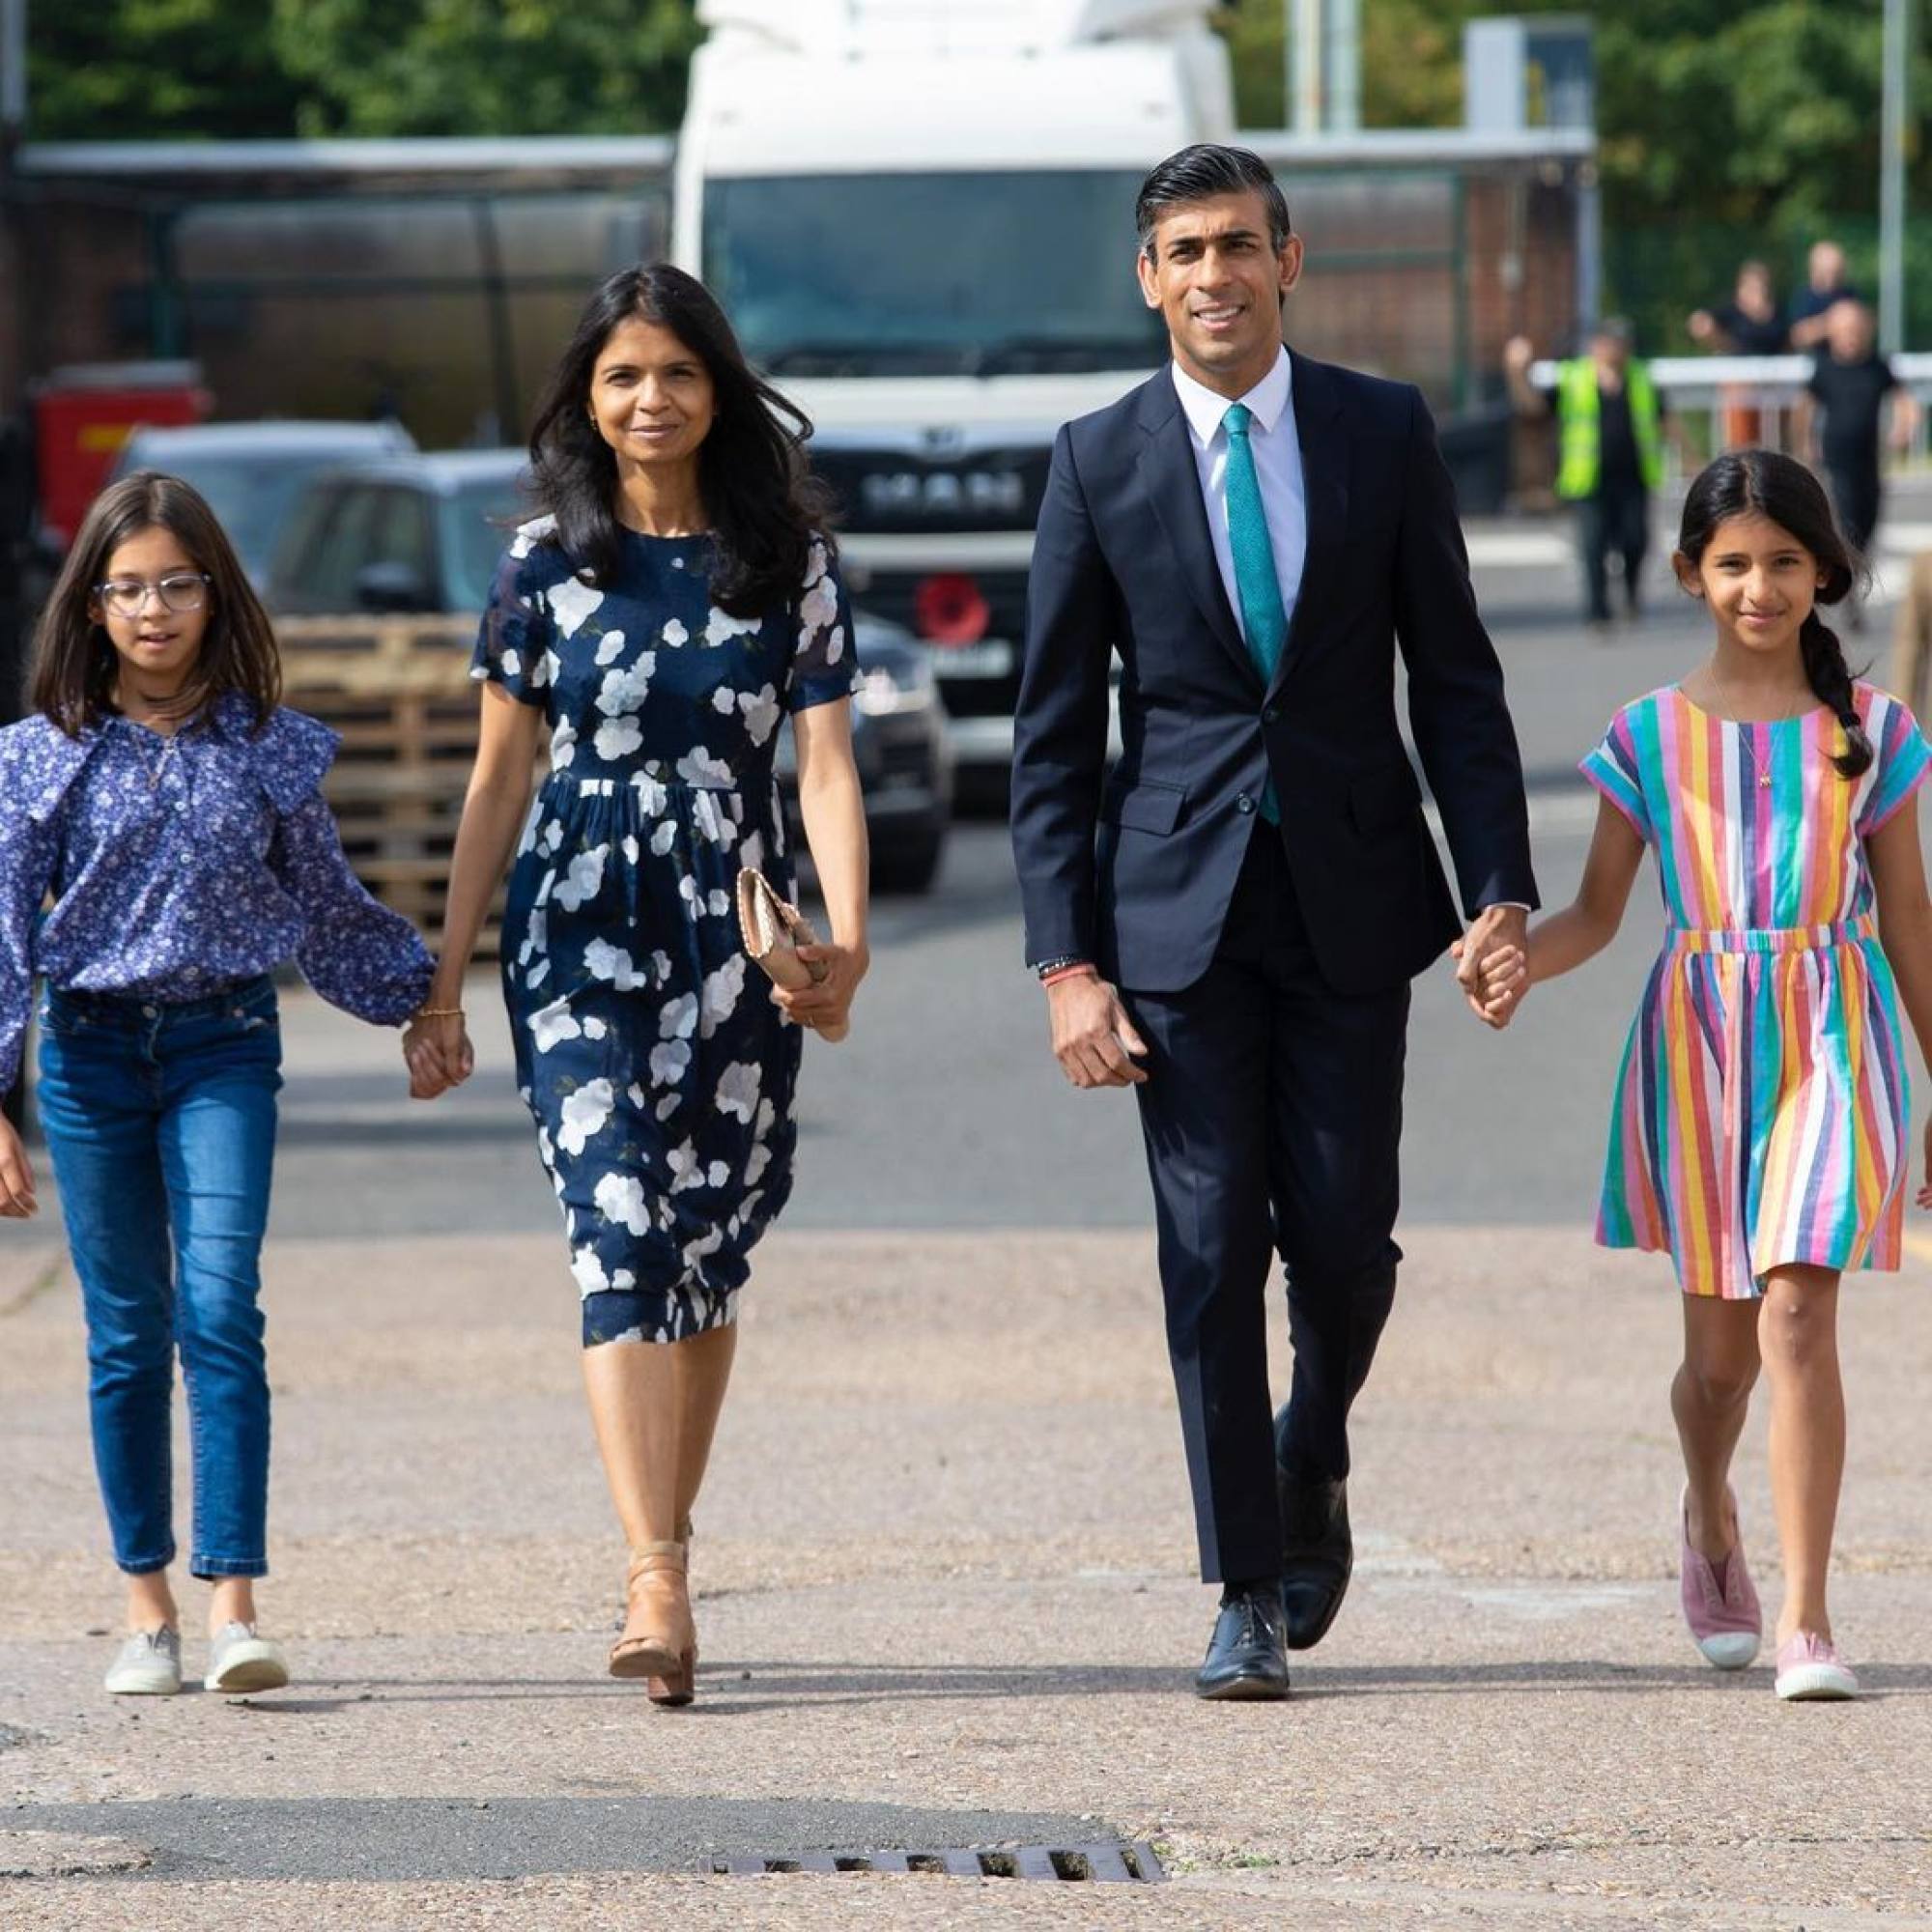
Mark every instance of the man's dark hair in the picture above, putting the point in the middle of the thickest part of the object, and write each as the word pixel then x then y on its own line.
pixel 1200 173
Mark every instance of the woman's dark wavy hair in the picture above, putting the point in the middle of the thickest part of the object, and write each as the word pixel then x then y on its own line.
pixel 763 504
pixel 75 661
pixel 1762 482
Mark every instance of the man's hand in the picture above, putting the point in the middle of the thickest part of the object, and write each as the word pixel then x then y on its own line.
pixel 16 1175
pixel 1093 1037
pixel 1493 996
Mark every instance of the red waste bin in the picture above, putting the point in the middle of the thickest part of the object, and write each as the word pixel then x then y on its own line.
pixel 84 412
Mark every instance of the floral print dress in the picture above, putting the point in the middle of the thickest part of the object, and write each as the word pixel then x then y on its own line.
pixel 659 1072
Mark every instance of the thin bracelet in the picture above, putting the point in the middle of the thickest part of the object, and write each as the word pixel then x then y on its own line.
pixel 1081 969
pixel 436 1013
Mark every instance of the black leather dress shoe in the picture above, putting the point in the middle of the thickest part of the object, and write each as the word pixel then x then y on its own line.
pixel 1245 1655
pixel 1317 1556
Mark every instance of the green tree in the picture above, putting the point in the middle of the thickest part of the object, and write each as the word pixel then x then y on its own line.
pixel 487 66
pixel 155 69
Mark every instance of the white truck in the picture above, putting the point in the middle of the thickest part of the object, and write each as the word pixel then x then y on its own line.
pixel 919 214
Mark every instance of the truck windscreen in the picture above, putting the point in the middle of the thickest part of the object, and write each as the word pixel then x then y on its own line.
pixel 959 274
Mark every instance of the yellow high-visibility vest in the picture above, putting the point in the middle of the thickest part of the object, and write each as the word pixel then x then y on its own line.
pixel 1579 421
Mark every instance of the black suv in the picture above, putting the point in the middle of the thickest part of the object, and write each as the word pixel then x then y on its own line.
pixel 423 533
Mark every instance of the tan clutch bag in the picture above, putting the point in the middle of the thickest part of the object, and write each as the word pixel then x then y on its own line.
pixel 774 929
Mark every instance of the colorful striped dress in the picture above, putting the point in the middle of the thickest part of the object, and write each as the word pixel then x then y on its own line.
pixel 1762 1108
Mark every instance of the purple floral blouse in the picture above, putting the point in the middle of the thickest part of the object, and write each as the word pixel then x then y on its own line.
pixel 179 865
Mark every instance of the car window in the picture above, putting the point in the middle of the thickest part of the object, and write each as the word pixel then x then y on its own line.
pixel 327 577
pixel 401 533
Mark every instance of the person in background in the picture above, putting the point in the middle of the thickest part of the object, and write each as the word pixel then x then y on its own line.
pixel 1825 288
pixel 1609 424
pixel 1841 419
pixel 1752 323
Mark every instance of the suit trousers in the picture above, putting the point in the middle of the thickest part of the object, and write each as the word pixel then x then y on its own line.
pixel 1272 1116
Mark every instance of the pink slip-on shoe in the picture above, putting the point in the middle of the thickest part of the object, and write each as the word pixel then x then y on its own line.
pixel 1722 1612
pixel 1810 1669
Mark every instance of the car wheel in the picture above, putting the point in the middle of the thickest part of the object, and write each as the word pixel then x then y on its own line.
pixel 909 864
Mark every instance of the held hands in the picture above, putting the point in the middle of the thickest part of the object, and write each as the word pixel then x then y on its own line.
pixel 437 1049
pixel 1093 1037
pixel 1492 964
pixel 826 1006
pixel 17 1201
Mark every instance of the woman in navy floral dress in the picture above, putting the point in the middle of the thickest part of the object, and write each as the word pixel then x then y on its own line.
pixel 172 812
pixel 676 603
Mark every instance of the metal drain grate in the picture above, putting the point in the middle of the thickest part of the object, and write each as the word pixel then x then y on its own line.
pixel 1111 1863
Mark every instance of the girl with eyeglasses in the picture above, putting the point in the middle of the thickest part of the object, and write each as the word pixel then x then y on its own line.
pixel 168 813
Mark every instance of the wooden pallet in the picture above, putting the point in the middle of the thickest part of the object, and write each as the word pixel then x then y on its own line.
pixel 399 692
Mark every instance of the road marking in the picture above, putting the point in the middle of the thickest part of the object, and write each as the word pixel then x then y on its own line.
pixel 1506 550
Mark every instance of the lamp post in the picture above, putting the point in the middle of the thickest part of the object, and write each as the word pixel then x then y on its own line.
pixel 1892 178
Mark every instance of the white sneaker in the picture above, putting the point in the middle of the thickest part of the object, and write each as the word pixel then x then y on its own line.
pixel 149 1665
pixel 239 1660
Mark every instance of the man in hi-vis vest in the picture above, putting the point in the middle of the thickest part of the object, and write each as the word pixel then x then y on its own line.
pixel 1610 421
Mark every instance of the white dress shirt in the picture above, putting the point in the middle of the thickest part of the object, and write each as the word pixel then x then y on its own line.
pixel 1277 452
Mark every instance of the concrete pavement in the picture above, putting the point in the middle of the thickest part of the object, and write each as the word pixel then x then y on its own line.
pixel 944 1564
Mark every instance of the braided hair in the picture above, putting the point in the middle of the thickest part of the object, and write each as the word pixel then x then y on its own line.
pixel 1762 482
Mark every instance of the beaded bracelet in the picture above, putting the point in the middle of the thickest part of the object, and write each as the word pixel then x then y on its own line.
pixel 436 1013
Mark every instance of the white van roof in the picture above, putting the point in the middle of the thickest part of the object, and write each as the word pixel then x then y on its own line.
pixel 865 27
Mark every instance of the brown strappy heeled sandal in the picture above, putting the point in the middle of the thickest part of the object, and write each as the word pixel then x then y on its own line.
pixel 676 1689
pixel 668 1648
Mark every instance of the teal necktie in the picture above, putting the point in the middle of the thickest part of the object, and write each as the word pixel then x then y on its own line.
pixel 1264 619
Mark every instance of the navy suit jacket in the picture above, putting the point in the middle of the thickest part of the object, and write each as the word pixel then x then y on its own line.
pixel 1135 872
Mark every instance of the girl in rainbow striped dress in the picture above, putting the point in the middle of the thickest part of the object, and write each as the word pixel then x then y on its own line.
pixel 1759 1131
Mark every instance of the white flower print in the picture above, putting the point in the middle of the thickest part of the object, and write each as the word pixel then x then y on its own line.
pixel 584 1115
pixel 634 1094
pixel 631 849
pixel 550 1026
pixel 674 633
pixel 761 713
pixel 604 961
pixel 719 902
pixel 583 880
pixel 625 690
pixel 570 602
pixel 620 1200
pixel 679 1018
pixel 588 1268
pixel 618 738
pixel 722 627
pixel 537 937
pixel 721 992
pixel 753 856
pixel 818 608
pixel 664 837
pixel 835 645
pixel 705 1244
pixel 699 767
pixel 512 664
pixel 668 1106
pixel 547 669
pixel 562 744
pixel 609 647
pixel 595 1028
pixel 722 700
pixel 758 1160
pixel 711 813
pixel 669 1060
pixel 688 1170
pixel 652 797
pixel 738 1088
pixel 528 535
pixel 660 964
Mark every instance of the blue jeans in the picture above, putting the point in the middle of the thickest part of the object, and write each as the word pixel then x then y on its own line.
pixel 161 1122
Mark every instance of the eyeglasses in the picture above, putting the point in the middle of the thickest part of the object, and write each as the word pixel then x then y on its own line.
pixel 180 592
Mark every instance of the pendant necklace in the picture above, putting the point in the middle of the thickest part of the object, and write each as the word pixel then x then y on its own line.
pixel 1749 729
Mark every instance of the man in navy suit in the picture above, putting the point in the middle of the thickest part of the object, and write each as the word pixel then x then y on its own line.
pixel 1230 921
